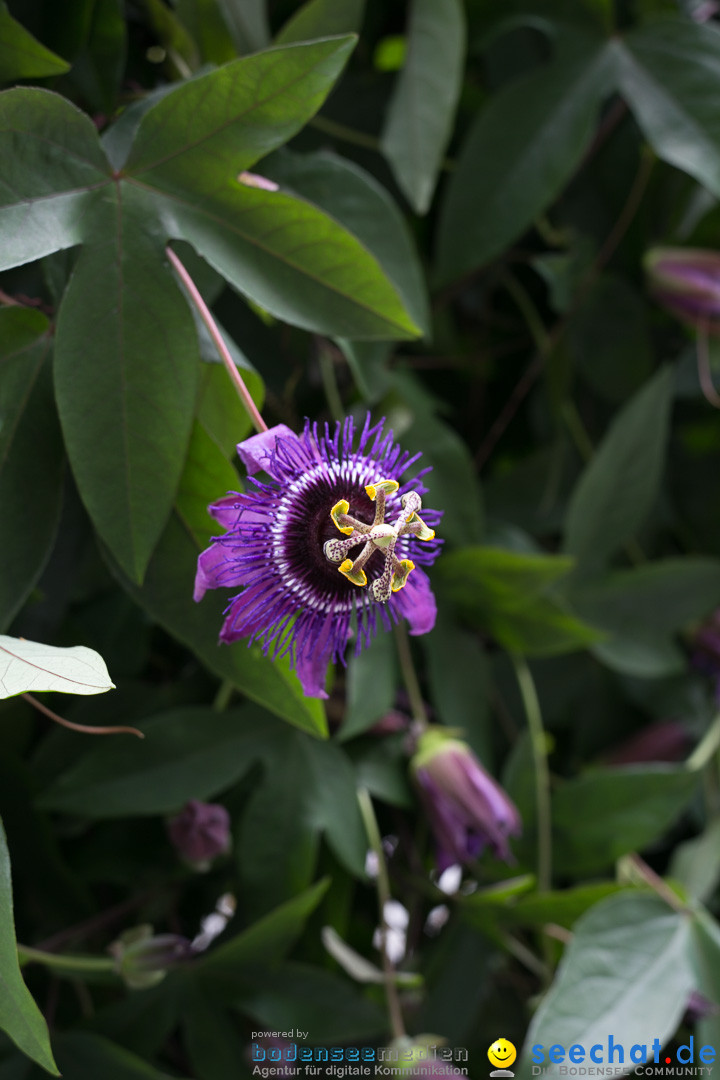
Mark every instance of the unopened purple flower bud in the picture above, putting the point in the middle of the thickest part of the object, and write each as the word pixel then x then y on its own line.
pixel 466 807
pixel 143 958
pixel 687 282
pixel 200 832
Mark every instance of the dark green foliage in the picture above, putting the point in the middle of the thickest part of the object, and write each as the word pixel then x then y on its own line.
pixel 456 244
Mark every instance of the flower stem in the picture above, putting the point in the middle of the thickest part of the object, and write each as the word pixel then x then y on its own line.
pixel 397 1024
pixel 223 695
pixel 531 704
pixel 58 962
pixel 206 316
pixel 409 675
pixel 84 728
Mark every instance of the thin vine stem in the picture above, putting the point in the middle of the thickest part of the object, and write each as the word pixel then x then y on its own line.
pixel 206 316
pixel 407 668
pixel 86 729
pixel 60 962
pixel 397 1024
pixel 538 744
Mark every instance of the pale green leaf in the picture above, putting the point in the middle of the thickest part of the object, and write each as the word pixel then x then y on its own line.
pixel 626 972
pixel 30 667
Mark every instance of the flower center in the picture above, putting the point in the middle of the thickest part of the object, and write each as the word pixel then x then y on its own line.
pixel 380 536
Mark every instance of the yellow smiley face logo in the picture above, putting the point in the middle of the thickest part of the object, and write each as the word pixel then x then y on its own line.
pixel 502 1053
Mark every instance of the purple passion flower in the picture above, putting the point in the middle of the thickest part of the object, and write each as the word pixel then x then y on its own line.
pixel 331 541
pixel 200 832
pixel 466 807
pixel 687 282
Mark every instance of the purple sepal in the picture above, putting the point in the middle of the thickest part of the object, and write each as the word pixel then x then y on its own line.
pixel 416 603
pixel 257 452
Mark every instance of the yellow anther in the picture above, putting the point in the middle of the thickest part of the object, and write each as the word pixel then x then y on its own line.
pixel 401 574
pixel 424 533
pixel 339 508
pixel 388 486
pixel 358 577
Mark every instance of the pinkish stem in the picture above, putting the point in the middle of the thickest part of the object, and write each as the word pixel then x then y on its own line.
pixel 222 348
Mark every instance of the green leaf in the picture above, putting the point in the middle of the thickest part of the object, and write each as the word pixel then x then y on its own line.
pixel 542 628
pixel 290 258
pixel 31 455
pixel 644 608
pixel 19 1015
pixel 213 1042
pixel 617 489
pixel 166 594
pixel 247 22
pixel 522 150
pixel 420 119
pixel 626 972
pixel 563 907
pixel 452 485
pixel 205 470
pixel 30 666
pixel 705 955
pixel 497 578
pixel 205 22
pixel 83 1054
pixel 172 35
pixel 371 686
pixel 605 813
pixel 509 595
pixel 126 379
pixel 266 941
pixel 609 337
pixel 312 999
pixel 99 68
pixel 309 788
pixel 694 863
pixel 357 201
pixel 322 18
pixel 222 122
pixel 669 74
pixel 46 189
pixel 189 753
pixel 21 55
pixel 460 683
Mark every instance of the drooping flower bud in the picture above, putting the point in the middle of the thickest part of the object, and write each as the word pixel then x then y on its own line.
pixel 200 832
pixel 143 958
pixel 687 282
pixel 466 807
